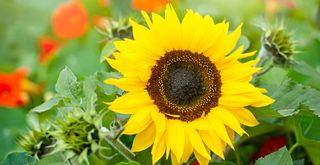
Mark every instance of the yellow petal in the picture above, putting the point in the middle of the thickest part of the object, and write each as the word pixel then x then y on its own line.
pixel 128 46
pixel 174 159
pixel 131 102
pixel 144 139
pixel 138 122
pixel 187 29
pixel 146 18
pixel 213 142
pixel 176 137
pixel 244 116
pixel 127 84
pixel 202 160
pixel 238 88
pixel 230 41
pixel 188 149
pixel 228 119
pixel 144 36
pixel 220 130
pixel 201 124
pixel 234 71
pixel 197 142
pixel 159 119
pixel 160 29
pixel 234 101
pixel 158 148
pixel 173 27
pixel 231 133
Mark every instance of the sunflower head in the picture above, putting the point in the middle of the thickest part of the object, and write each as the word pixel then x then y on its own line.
pixel 79 134
pixel 186 89
pixel 280 45
pixel 38 142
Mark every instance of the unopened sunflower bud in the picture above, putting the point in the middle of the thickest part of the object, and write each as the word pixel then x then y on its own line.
pixel 38 143
pixel 79 134
pixel 279 44
pixel 119 29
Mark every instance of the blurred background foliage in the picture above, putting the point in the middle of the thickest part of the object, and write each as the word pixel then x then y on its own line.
pixel 24 23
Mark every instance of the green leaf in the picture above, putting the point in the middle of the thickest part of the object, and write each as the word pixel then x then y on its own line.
pixel 305 69
pixel 48 105
pixel 90 96
pixel 54 159
pixel 128 163
pixel 310 127
pixel 222 163
pixel 108 89
pixel 144 157
pixel 280 157
pixel 19 158
pixel 67 84
pixel 264 112
pixel 107 50
pixel 290 96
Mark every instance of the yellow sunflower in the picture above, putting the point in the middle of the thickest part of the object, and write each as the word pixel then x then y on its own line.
pixel 186 89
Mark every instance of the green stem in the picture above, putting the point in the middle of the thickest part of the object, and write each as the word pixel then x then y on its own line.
pixel 121 148
pixel 238 158
pixel 293 148
pixel 262 55
pixel 263 71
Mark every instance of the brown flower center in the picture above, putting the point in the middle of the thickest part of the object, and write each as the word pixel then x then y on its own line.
pixel 184 85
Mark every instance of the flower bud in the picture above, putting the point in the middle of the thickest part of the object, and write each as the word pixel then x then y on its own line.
pixel 38 142
pixel 279 44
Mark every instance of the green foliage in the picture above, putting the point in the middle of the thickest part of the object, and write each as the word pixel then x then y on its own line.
pixel 310 127
pixel 17 158
pixel 223 163
pixel 107 50
pixel 52 102
pixel 12 123
pixel 290 96
pixel 128 163
pixel 280 157
pixel 67 84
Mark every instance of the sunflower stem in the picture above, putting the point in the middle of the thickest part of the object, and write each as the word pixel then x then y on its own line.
pixel 262 55
pixel 120 147
pixel 263 71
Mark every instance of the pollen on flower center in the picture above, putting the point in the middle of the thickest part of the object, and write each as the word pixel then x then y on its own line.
pixel 184 85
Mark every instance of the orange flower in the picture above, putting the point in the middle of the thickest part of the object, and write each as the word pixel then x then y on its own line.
pixel 48 47
pixel 11 88
pixel 104 3
pixel 101 21
pixel 273 6
pixel 70 20
pixel 149 5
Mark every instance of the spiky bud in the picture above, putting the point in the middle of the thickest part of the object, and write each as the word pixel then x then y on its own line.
pixel 118 29
pixel 79 133
pixel 279 44
pixel 38 142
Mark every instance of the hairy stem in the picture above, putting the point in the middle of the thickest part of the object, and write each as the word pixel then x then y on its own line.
pixel 263 71
pixel 121 148
pixel 262 55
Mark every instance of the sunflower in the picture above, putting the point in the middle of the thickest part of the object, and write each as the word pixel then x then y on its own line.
pixel 186 89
